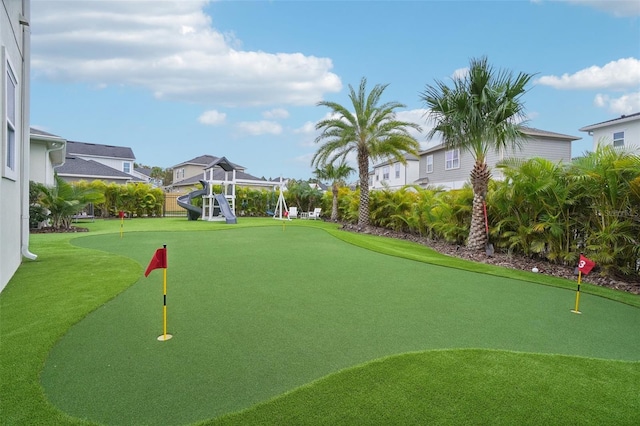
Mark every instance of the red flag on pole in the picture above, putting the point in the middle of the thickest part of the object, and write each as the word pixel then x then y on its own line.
pixel 158 261
pixel 585 265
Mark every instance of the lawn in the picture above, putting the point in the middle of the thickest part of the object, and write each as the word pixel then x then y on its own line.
pixel 294 325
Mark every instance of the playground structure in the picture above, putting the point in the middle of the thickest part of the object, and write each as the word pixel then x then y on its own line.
pixel 223 206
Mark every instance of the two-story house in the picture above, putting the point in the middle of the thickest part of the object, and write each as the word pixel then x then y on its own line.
pixel 393 174
pixel 90 161
pixel 47 151
pixel 623 131
pixel 15 42
pixel 450 168
pixel 190 172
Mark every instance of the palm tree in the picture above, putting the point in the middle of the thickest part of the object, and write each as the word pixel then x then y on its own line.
pixel 337 176
pixel 480 111
pixel 371 132
pixel 64 200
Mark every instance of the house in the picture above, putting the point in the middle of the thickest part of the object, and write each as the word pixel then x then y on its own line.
pixel 450 169
pixel 90 161
pixel 623 131
pixel 195 168
pixel 47 151
pixel 393 174
pixel 189 173
pixel 144 174
pixel 14 151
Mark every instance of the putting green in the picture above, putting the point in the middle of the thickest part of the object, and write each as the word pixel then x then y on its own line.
pixel 256 312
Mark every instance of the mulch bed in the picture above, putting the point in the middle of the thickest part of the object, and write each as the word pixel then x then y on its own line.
pixel 505 260
pixel 50 230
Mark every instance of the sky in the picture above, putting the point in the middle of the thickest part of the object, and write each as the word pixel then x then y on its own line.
pixel 174 80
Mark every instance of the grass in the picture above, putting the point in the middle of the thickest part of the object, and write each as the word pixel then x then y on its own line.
pixel 263 357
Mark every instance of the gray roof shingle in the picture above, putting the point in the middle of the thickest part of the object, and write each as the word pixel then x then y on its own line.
pixel 93 149
pixel 75 166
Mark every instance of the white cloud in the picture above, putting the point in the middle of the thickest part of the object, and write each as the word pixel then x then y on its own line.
pixel 460 73
pixel 276 113
pixel 212 118
pixel 620 74
pixel 256 128
pixel 625 104
pixel 171 49
pixel 307 127
pixel 618 8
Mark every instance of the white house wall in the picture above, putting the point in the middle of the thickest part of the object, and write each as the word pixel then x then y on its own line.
pixel 11 50
pixel 114 163
pixel 631 131
pixel 408 174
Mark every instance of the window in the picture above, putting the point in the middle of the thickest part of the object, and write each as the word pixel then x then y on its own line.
pixel 377 177
pixel 10 148
pixel 179 174
pixel 452 159
pixel 429 160
pixel 126 167
pixel 385 173
pixel 618 139
pixel 397 171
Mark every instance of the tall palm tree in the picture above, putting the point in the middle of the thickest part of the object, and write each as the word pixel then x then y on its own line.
pixel 371 132
pixel 481 111
pixel 337 176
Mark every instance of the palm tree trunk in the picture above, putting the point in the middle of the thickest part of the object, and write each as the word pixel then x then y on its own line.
pixel 477 231
pixel 480 176
pixel 363 170
pixel 334 205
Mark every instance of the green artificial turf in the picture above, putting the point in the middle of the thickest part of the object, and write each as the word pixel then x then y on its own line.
pixel 283 316
pixel 455 387
pixel 256 312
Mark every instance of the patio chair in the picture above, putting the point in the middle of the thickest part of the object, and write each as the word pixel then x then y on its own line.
pixel 293 212
pixel 315 214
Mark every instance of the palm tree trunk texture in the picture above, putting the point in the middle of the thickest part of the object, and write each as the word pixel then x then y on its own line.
pixel 477 232
pixel 363 170
pixel 480 176
pixel 334 202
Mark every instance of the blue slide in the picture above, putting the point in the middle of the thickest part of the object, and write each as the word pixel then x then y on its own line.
pixel 195 212
pixel 184 201
pixel 226 209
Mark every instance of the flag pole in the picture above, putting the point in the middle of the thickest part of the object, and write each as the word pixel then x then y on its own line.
pixel 576 311
pixel 121 214
pixel 164 335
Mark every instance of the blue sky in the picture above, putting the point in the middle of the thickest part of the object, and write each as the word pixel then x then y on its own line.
pixel 241 79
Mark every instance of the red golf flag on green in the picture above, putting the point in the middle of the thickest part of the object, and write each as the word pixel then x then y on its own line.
pixel 158 261
pixel 585 265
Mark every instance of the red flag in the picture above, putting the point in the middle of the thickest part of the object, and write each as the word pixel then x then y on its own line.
pixel 158 261
pixel 121 214
pixel 585 265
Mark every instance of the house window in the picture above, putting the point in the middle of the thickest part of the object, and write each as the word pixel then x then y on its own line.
pixel 10 148
pixel 385 173
pixel 179 174
pixel 126 167
pixel 618 139
pixel 452 159
pixel 429 160
pixel 397 171
pixel 377 177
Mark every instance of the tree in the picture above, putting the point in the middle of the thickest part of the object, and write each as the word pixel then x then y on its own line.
pixel 64 200
pixel 482 110
pixel 371 132
pixel 337 175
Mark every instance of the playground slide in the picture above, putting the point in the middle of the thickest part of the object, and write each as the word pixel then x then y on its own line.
pixel 184 201
pixel 226 209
